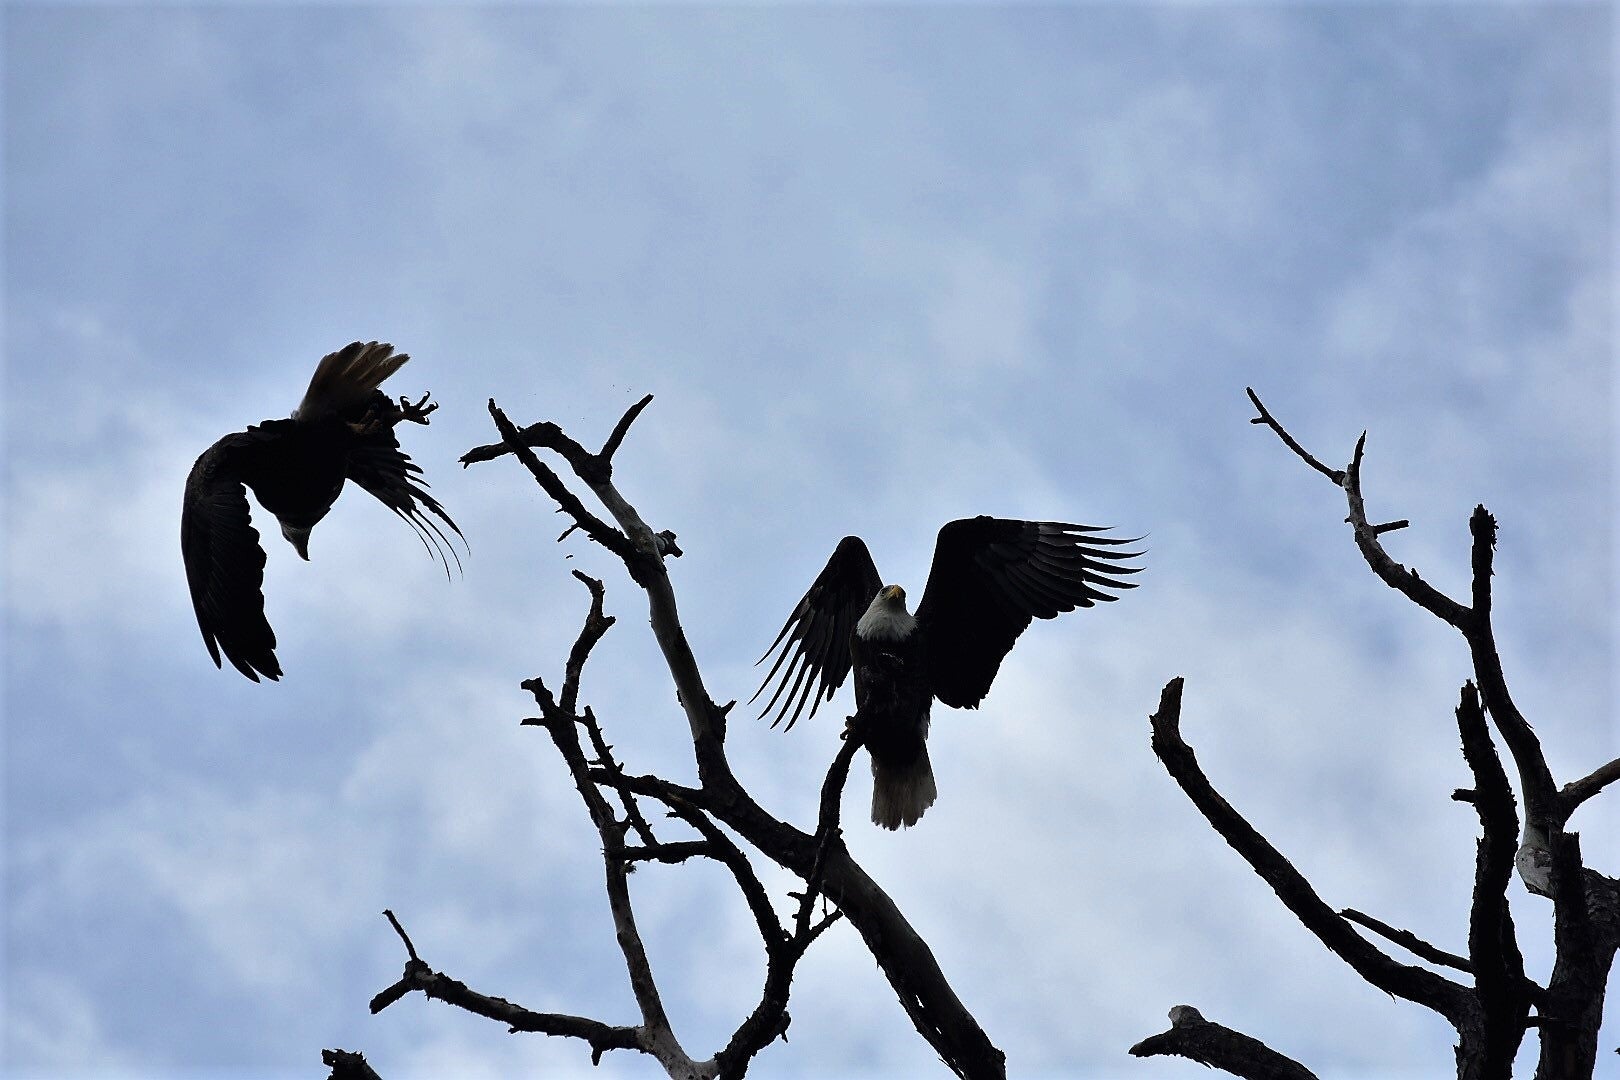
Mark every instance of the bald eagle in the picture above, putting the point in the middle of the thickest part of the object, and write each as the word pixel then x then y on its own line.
pixel 990 577
pixel 342 430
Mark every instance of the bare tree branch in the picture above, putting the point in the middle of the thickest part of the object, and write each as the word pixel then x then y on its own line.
pixel 1412 983
pixel 672 853
pixel 1576 792
pixel 1586 935
pixel 1586 904
pixel 1392 573
pixel 419 976
pixel 657 1032
pixel 606 763
pixel 1265 417
pixel 1543 807
pixel 1493 951
pixel 1540 793
pixel 770 1018
pixel 346 1065
pixel 901 953
pixel 1410 942
pixel 1191 1036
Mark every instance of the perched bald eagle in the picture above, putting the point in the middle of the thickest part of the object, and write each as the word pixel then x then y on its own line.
pixel 990 577
pixel 342 430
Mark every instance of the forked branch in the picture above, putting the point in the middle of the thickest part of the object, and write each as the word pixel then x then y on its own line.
pixel 835 886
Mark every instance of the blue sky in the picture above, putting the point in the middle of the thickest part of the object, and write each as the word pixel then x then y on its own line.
pixel 881 267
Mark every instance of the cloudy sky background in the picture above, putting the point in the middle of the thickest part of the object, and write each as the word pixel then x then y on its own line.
pixel 881 268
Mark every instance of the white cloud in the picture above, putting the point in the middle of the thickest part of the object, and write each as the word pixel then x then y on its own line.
pixel 56 1023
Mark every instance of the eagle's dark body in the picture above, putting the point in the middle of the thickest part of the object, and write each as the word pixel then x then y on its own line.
pixel 990 578
pixel 893 698
pixel 296 468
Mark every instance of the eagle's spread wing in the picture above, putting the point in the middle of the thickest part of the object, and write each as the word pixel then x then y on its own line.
pixel 816 635
pixel 377 464
pixel 991 576
pixel 224 562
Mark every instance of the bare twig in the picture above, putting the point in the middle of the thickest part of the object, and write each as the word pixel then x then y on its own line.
pixel 596 624
pixel 608 764
pixel 611 447
pixel 410 950
pixel 419 976
pixel 1409 941
pixel 1392 573
pixel 1265 417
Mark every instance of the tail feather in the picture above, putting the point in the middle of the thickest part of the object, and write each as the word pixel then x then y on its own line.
pixel 900 794
pixel 345 380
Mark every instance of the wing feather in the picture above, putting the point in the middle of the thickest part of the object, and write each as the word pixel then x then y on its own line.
pixel 225 563
pixel 345 380
pixel 377 464
pixel 815 639
pixel 992 576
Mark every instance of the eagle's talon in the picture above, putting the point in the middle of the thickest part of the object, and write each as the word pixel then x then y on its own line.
pixel 417 412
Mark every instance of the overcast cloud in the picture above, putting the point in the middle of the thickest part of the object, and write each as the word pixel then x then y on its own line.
pixel 880 267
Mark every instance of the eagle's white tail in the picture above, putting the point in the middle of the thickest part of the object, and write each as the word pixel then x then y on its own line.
pixel 901 794
pixel 344 380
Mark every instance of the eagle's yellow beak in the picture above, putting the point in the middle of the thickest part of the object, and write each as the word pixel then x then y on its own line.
pixel 895 592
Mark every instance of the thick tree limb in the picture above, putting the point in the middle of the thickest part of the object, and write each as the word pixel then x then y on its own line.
pixel 1493 951
pixel 1540 793
pixel 347 1065
pixel 1191 1036
pixel 1586 934
pixel 1416 984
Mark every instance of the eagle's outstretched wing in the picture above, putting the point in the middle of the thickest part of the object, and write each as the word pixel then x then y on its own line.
pixel 816 635
pixel 224 562
pixel 991 576
pixel 377 464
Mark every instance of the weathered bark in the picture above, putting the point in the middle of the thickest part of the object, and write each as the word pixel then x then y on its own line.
pixel 1491 1016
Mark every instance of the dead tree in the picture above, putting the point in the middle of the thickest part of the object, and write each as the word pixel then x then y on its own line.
pixel 1495 1004
pixel 623 807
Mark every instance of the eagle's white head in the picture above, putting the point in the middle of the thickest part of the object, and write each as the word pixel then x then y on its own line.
pixel 887 619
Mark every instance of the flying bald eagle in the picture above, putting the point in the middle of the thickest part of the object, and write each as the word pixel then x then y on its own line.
pixel 990 577
pixel 342 430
